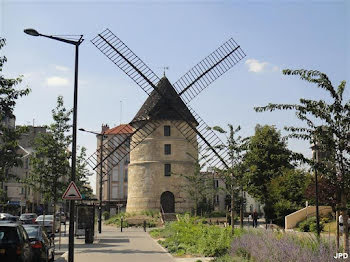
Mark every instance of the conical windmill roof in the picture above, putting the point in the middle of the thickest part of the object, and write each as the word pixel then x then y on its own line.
pixel 158 107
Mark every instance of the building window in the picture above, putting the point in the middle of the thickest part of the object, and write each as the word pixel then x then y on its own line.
pixel 167 149
pixel 166 130
pixel 167 169
pixel 126 176
pixel 22 190
pixel 216 183
pixel 217 199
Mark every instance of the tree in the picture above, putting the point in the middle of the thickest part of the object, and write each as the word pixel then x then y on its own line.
pixel 287 192
pixel 198 186
pixel 9 135
pixel 266 158
pixel 50 160
pixel 232 176
pixel 82 174
pixel 327 128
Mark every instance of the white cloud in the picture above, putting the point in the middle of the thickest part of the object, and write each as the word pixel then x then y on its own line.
pixel 257 66
pixel 57 81
pixel 62 68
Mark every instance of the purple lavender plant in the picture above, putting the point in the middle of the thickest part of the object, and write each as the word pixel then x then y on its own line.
pixel 268 246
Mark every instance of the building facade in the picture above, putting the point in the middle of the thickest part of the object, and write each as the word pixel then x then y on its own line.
pixel 21 197
pixel 115 183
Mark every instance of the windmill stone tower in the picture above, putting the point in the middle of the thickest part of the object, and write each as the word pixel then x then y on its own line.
pixel 155 164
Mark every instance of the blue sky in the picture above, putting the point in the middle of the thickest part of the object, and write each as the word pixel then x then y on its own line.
pixel 274 34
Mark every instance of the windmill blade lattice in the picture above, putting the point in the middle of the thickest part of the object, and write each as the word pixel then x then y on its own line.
pixel 206 140
pixel 116 51
pixel 191 84
pixel 116 148
pixel 208 70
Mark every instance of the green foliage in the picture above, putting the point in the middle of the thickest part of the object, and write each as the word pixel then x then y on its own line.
pixel 309 225
pixel 199 186
pixel 151 217
pixel 216 214
pixel 8 93
pixel 82 173
pixel 9 135
pixel 287 192
pixel 190 235
pixel 265 159
pixel 232 176
pixel 106 215
pixel 50 160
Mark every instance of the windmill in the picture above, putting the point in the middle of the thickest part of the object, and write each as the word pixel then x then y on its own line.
pixel 166 107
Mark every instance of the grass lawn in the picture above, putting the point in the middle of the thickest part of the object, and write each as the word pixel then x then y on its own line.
pixel 332 227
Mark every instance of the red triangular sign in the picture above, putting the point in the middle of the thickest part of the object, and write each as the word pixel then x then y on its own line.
pixel 72 192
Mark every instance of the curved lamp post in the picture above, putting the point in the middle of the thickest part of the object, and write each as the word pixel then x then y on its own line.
pixel 76 43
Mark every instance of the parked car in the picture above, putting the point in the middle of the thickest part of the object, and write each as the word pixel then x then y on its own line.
pixel 47 222
pixel 8 217
pixel 28 218
pixel 14 243
pixel 62 216
pixel 42 244
pixel 4 215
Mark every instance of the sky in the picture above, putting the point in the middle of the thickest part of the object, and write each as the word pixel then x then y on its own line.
pixel 275 35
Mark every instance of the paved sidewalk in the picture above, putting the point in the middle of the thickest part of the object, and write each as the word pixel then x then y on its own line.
pixel 131 245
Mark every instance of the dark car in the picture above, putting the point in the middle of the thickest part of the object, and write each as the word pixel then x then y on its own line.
pixel 28 218
pixel 14 243
pixel 42 244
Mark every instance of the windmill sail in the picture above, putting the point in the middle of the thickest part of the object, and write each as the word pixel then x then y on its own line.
pixel 116 51
pixel 206 140
pixel 187 87
pixel 117 147
pixel 208 70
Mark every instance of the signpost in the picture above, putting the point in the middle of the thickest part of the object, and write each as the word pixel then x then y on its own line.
pixel 72 192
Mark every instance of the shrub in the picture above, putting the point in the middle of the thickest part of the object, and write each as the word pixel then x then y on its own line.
pixel 217 214
pixel 309 225
pixel 105 215
pixel 269 246
pixel 191 236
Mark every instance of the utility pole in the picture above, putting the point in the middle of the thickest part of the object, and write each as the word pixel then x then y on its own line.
pixel 101 173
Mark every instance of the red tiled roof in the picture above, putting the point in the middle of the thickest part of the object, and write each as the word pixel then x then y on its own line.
pixel 121 129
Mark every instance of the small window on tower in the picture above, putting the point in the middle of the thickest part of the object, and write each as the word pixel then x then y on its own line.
pixel 166 130
pixel 167 149
pixel 167 169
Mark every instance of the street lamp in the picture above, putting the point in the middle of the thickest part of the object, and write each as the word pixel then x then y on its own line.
pixel 101 172
pixel 76 43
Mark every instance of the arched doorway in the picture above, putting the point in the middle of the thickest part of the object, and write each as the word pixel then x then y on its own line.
pixel 167 200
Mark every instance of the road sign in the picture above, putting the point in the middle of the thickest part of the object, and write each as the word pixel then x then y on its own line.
pixel 72 192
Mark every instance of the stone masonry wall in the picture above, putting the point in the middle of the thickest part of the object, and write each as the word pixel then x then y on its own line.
pixel 146 171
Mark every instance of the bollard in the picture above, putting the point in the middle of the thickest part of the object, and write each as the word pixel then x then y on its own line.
pixel 121 225
pixel 217 221
pixel 144 225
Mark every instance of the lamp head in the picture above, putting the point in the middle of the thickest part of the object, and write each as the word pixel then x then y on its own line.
pixel 31 32
pixel 81 129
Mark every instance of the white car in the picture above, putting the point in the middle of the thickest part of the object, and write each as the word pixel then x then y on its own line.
pixel 47 222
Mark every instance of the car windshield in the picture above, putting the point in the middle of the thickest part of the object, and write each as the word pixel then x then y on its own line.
pixel 47 217
pixel 8 235
pixel 32 231
pixel 27 216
